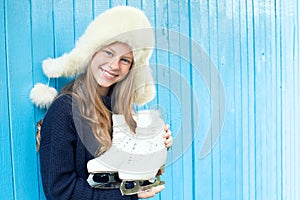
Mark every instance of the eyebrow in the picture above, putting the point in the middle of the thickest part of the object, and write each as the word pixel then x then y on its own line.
pixel 127 57
pixel 110 49
pixel 114 52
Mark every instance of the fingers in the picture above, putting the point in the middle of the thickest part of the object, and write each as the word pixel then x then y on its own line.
pixel 168 136
pixel 146 194
pixel 167 127
pixel 151 192
pixel 168 133
pixel 169 142
pixel 159 188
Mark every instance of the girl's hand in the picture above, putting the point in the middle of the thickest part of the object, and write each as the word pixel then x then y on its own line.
pixel 150 192
pixel 168 136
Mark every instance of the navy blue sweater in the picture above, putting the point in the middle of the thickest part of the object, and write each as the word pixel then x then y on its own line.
pixel 63 155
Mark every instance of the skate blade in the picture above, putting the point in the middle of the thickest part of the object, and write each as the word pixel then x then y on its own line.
pixel 138 187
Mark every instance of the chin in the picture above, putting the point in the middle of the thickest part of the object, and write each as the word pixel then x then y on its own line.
pixel 105 84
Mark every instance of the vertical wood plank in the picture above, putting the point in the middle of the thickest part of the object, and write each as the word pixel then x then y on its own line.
pixel 64 34
pixel 271 187
pixel 199 20
pixel 238 112
pixel 179 104
pixel 297 97
pixel 100 6
pixel 278 62
pixel 244 97
pixel 83 15
pixel 163 74
pixel 174 104
pixel 288 98
pixel 260 92
pixel 213 54
pixel 118 3
pixel 250 76
pixel 42 48
pixel 6 177
pixel 186 135
pixel 228 145
pixel 19 62
pixel 135 3
pixel 190 123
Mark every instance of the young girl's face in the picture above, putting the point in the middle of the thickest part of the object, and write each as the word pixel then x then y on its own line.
pixel 111 64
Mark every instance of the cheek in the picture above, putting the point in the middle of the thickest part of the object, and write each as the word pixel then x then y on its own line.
pixel 94 70
pixel 98 60
pixel 125 71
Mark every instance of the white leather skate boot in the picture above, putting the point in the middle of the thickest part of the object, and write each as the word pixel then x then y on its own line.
pixel 135 156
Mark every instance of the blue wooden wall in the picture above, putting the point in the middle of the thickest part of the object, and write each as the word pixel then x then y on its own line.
pixel 227 79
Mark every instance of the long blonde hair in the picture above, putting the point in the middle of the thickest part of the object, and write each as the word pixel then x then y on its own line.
pixel 92 108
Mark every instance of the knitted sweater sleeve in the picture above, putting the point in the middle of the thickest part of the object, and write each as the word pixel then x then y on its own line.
pixel 58 157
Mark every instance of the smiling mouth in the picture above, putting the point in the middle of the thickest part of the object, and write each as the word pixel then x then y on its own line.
pixel 108 74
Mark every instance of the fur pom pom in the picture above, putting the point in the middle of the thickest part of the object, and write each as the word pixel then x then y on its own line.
pixel 54 68
pixel 42 95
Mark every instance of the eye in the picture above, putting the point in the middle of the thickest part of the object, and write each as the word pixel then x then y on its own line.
pixel 108 53
pixel 126 61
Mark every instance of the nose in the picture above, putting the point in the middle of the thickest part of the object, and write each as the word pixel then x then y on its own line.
pixel 114 64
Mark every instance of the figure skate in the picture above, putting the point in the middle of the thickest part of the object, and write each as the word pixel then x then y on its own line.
pixel 137 157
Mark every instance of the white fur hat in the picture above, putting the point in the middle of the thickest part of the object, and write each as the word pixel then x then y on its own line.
pixel 119 24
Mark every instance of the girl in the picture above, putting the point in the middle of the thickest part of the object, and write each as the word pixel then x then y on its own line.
pixel 112 60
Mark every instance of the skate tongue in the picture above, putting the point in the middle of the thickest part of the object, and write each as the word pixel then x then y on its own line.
pixel 143 120
pixel 146 118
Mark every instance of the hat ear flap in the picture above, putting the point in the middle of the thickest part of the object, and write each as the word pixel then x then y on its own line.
pixel 42 95
pixel 144 87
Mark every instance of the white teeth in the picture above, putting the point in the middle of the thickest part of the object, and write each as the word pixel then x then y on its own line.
pixel 108 74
